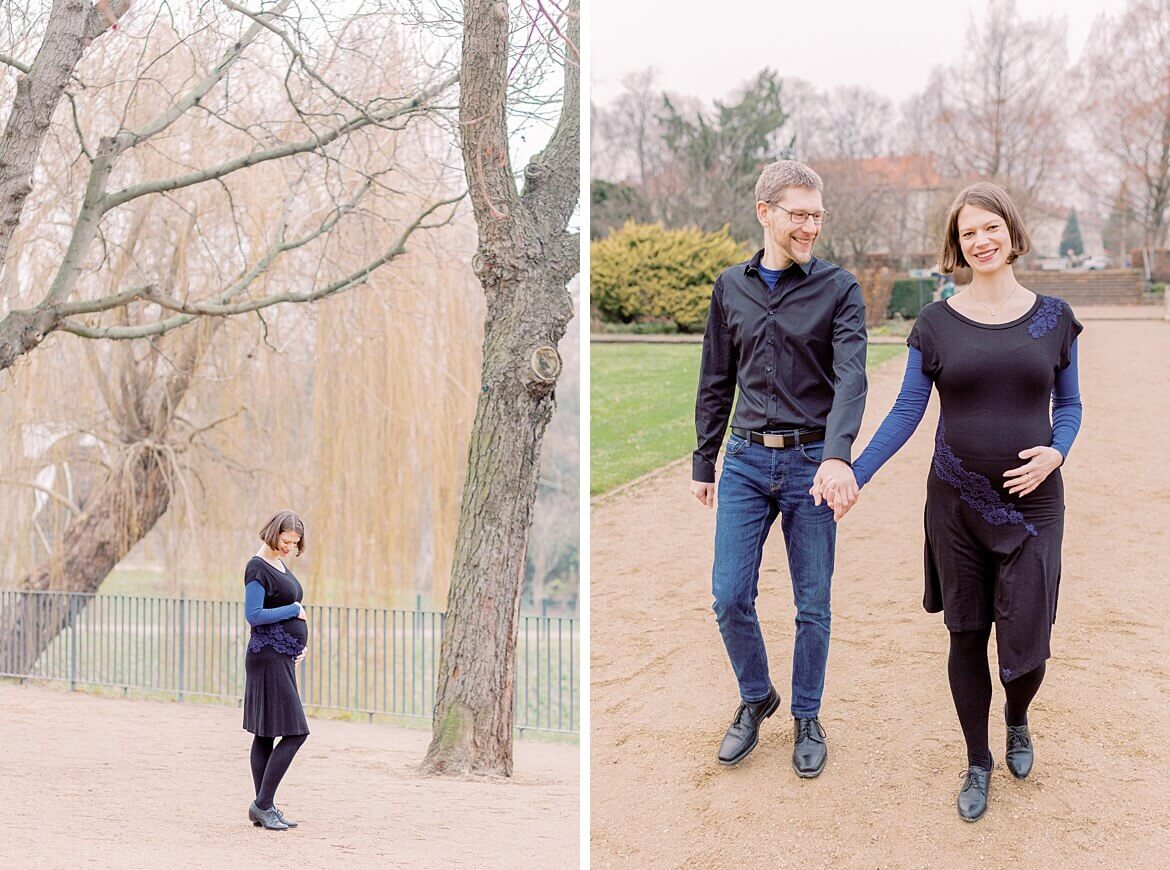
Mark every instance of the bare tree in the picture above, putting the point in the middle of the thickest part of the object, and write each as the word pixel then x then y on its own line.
pixel 1001 112
pixel 847 137
pixel 525 260
pixel 1127 104
pixel 303 184
pixel 326 119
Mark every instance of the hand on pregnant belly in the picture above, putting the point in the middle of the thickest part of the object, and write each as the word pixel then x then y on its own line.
pixel 1042 461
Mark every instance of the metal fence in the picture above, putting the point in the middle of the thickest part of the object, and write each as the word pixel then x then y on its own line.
pixel 364 660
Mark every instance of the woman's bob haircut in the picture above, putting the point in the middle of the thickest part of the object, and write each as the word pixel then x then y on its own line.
pixel 989 197
pixel 283 521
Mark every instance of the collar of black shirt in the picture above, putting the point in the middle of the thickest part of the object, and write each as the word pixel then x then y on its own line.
pixel 754 264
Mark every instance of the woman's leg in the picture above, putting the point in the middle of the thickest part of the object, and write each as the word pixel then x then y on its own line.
pixel 1020 693
pixel 276 768
pixel 261 751
pixel 970 680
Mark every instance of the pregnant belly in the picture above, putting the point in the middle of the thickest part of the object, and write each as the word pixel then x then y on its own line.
pixel 297 628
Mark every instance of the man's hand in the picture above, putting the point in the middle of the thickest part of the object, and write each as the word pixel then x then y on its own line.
pixel 835 484
pixel 704 492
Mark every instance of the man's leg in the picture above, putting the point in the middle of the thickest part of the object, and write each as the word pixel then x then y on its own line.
pixel 745 513
pixel 810 536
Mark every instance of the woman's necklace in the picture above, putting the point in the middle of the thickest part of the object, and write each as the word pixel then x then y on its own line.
pixel 994 311
pixel 277 564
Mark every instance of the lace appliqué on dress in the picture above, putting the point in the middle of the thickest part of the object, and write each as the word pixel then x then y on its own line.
pixel 1044 320
pixel 974 489
pixel 276 637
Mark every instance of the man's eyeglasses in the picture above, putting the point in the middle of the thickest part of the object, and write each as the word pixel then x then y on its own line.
pixel 799 217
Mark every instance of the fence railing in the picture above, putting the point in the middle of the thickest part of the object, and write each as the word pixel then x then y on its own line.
pixel 364 660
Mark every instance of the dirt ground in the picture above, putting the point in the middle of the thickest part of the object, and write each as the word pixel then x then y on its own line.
pixel 663 692
pixel 87 781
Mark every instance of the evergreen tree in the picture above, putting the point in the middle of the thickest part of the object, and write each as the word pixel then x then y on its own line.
pixel 717 156
pixel 1071 240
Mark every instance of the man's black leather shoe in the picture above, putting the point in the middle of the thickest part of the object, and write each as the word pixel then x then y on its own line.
pixel 744 731
pixel 972 801
pixel 1019 750
pixel 809 753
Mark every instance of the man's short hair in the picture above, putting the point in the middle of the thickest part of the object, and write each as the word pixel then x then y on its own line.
pixel 783 174
pixel 989 197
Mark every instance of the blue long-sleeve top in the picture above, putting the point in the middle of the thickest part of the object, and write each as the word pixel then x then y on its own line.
pixel 910 406
pixel 257 614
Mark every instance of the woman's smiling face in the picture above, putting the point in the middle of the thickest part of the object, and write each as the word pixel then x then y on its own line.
pixel 984 239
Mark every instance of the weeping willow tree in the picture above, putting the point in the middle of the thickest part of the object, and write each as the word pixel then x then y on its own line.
pixel 169 198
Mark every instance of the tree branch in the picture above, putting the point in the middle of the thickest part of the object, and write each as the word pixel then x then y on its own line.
pixel 550 202
pixel 51 493
pixel 419 102
pixel 129 138
pixel 14 63
pixel 224 308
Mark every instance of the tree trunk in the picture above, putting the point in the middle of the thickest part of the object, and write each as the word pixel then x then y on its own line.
pixel 474 713
pixel 72 25
pixel 121 512
pixel 123 507
pixel 524 263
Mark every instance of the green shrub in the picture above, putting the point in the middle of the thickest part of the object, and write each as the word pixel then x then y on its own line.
pixel 909 296
pixel 1158 288
pixel 644 272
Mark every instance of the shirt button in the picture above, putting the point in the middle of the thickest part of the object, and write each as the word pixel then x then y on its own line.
pixel 768 369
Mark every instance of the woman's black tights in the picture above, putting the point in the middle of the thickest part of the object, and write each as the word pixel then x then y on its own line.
pixel 270 763
pixel 970 680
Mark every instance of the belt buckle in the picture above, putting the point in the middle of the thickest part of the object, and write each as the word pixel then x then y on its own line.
pixel 775 440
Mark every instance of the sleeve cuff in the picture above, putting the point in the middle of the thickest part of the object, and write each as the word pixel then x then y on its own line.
pixel 839 448
pixel 702 471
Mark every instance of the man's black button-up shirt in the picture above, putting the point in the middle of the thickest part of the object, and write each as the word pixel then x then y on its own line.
pixel 797 353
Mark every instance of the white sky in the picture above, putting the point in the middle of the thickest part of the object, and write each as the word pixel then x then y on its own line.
pixel 707 49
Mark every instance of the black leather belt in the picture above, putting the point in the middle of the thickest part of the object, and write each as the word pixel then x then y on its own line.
pixel 786 439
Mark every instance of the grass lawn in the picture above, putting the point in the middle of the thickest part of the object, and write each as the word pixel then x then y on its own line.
pixel 643 404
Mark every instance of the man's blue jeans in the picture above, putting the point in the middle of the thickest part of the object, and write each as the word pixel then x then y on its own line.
pixel 757 485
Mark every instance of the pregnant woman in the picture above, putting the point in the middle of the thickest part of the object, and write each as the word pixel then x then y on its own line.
pixel 272 704
pixel 1000 357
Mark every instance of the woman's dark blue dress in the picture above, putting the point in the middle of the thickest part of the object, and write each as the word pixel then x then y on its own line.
pixel 272 704
pixel 992 556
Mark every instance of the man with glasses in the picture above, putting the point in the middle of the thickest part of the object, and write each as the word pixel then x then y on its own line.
pixel 789 330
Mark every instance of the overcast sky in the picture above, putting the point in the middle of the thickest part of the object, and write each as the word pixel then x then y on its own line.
pixel 706 50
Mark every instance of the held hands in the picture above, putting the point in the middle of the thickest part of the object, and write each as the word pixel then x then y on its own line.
pixel 1042 462
pixel 836 485
pixel 704 492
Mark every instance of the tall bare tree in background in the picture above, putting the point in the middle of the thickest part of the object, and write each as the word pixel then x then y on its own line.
pixel 1127 103
pixel 317 141
pixel 844 133
pixel 525 260
pixel 323 115
pixel 1001 112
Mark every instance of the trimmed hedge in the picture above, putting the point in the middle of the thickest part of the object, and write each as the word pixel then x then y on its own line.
pixel 644 272
pixel 909 296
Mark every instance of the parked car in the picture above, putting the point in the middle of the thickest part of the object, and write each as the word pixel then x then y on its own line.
pixel 1096 263
pixel 1053 264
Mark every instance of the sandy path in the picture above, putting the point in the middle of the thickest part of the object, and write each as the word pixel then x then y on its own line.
pixel 103 782
pixel 662 690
